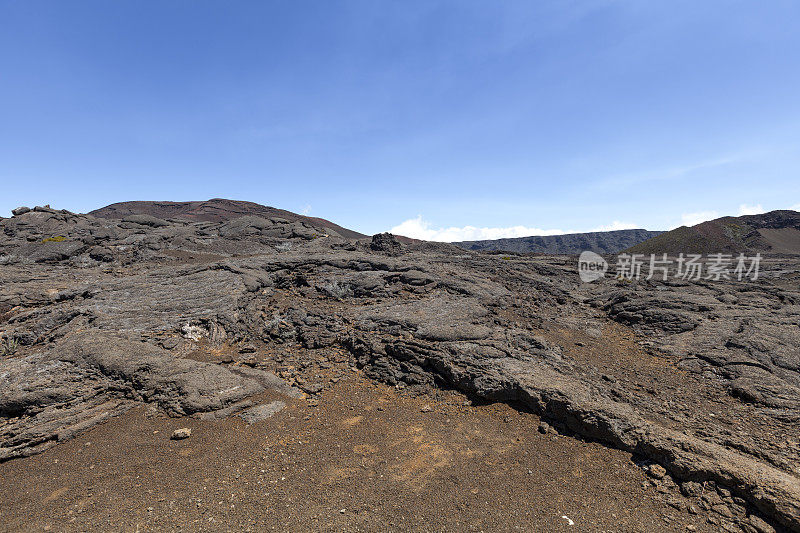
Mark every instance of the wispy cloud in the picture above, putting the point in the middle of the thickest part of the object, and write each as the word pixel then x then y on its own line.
pixel 745 209
pixel 673 173
pixel 419 228
pixel 795 207
pixel 691 219
pixel 306 210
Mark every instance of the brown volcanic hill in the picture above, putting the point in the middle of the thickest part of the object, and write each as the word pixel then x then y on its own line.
pixel 214 210
pixel 776 231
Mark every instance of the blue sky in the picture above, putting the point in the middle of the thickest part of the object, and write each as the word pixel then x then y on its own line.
pixel 429 117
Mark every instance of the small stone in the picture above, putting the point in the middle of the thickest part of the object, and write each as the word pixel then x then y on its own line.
pixel 691 488
pixel 426 409
pixel 544 428
pixel 311 388
pixel 657 471
pixel 181 433
pixel 691 527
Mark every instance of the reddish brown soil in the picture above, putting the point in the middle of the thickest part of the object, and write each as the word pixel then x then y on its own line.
pixel 367 458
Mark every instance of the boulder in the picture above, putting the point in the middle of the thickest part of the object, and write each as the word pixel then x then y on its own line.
pixel 387 243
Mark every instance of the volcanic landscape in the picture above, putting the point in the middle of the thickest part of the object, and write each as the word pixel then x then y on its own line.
pixel 226 366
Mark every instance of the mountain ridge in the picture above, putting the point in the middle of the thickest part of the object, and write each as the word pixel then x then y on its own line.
pixel 602 242
pixel 213 210
pixel 775 231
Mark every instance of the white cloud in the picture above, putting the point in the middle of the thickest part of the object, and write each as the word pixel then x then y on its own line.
pixel 615 226
pixel 418 228
pixel 745 209
pixel 690 219
pixel 795 207
pixel 306 210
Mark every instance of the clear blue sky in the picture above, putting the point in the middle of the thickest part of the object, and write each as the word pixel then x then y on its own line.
pixel 565 115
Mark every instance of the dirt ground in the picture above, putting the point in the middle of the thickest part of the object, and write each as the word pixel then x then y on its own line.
pixel 366 458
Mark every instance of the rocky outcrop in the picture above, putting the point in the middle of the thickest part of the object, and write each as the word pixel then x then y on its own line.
pixel 701 378
pixel 386 242
pixel 49 395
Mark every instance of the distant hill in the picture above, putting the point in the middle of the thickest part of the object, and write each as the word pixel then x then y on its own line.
pixel 601 242
pixel 776 231
pixel 214 210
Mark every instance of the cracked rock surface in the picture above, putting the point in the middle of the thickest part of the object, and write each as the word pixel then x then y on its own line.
pixel 97 315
